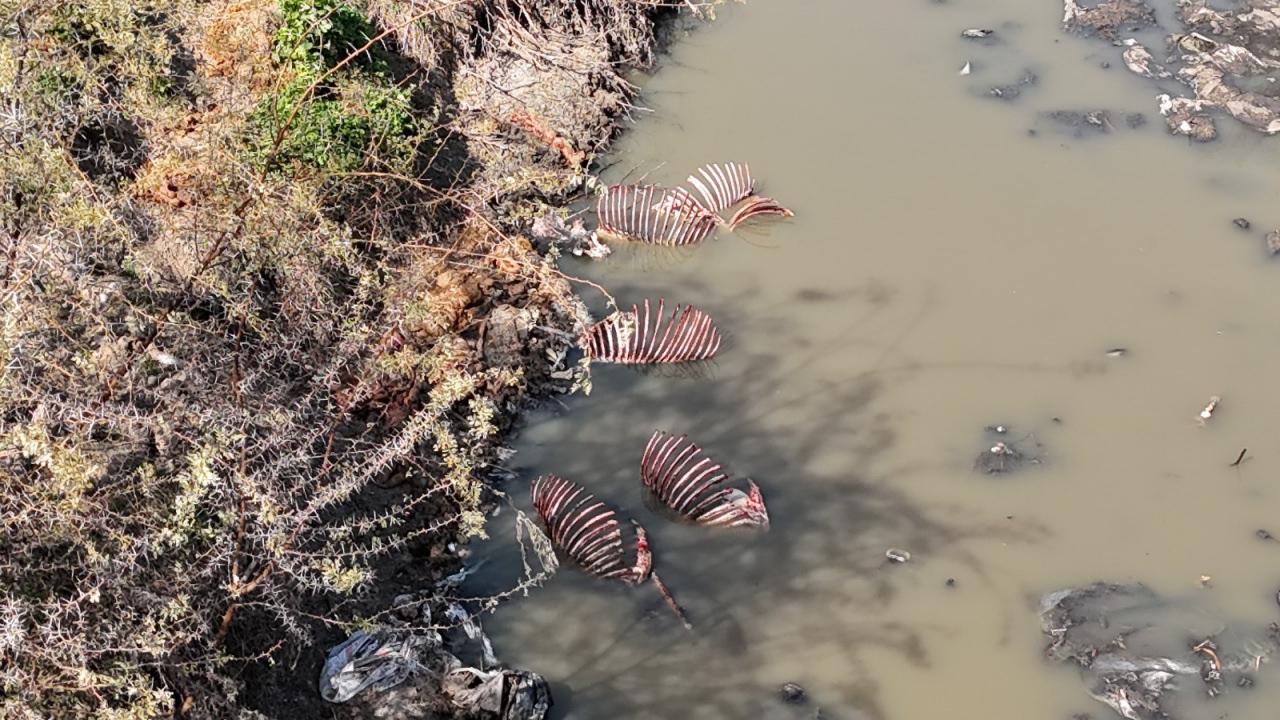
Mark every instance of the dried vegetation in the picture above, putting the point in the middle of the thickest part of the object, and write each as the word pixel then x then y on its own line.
pixel 264 318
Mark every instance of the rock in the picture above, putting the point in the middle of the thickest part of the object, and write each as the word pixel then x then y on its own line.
pixel 1106 18
pixel 1241 223
pixel 793 694
pixel 507 334
pixel 1273 242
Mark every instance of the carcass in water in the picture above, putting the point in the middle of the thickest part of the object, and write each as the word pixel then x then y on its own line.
pixel 587 531
pixel 678 216
pixel 688 482
pixel 641 337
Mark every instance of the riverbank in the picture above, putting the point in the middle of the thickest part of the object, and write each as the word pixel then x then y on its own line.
pixel 269 311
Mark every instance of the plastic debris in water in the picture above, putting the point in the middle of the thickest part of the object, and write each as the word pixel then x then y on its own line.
pixel 977 33
pixel 1207 413
pixel 968 68
pixel 897 556
pixel 676 216
pixel 641 337
pixel 684 479
pixel 587 530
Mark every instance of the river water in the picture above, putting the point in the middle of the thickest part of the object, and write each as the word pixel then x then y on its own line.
pixel 946 270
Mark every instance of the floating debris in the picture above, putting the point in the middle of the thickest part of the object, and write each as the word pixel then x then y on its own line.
pixel 897 556
pixel 1003 454
pixel 675 216
pixel 1081 123
pixel 1239 458
pixel 1263 534
pixel 977 33
pixel 793 694
pixel 998 458
pixel 686 480
pixel 587 531
pixel 636 337
pixel 1116 352
pixel 1207 413
pixel 1014 89
pixel 1273 242
pixel 1241 223
pixel 968 68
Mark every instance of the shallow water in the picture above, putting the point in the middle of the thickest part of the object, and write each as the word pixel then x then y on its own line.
pixel 945 271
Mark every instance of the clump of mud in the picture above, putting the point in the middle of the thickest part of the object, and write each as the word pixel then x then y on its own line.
pixel 1108 18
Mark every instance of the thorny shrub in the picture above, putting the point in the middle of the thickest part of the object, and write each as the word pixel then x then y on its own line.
pixel 219 329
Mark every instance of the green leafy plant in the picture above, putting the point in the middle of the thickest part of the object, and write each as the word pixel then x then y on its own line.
pixel 333 121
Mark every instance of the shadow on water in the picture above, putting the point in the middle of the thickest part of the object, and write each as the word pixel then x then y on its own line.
pixel 834 497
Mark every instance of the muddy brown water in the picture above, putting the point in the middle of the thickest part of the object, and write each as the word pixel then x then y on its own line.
pixel 946 270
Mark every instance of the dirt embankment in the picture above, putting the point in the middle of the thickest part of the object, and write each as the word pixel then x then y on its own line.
pixel 268 313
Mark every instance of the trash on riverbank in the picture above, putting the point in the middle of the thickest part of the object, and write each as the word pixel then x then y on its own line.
pixel 379 661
